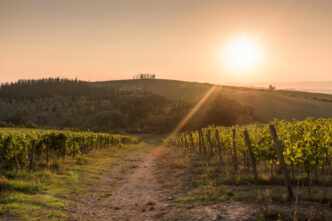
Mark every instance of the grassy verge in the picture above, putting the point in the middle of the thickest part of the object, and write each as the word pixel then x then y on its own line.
pixel 45 194
pixel 205 181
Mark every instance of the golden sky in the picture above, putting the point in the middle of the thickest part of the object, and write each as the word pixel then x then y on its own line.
pixel 175 39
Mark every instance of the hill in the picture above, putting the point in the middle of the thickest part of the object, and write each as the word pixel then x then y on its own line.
pixel 267 104
pixel 63 103
pixel 324 87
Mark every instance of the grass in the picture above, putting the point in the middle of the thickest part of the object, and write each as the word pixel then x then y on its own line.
pixel 30 207
pixel 46 194
pixel 280 104
pixel 205 181
pixel 20 186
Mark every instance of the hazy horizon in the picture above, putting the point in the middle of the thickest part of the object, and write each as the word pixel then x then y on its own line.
pixel 181 40
pixel 306 86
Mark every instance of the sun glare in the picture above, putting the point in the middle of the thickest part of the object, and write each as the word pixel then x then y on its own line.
pixel 243 55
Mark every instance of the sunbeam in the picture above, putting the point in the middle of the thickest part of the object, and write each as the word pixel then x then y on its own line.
pixel 193 111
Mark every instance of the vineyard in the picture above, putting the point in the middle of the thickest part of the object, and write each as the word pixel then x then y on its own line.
pixel 299 150
pixel 34 148
pixel 60 174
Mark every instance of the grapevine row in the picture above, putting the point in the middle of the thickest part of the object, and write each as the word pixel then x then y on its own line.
pixel 23 148
pixel 305 145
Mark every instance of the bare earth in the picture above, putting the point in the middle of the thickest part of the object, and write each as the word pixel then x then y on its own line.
pixel 141 195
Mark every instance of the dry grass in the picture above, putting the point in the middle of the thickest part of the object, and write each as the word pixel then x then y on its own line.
pixel 46 194
pixel 212 182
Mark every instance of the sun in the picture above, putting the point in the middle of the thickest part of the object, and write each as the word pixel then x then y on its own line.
pixel 243 54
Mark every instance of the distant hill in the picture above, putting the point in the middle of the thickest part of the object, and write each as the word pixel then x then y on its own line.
pixel 81 105
pixel 308 86
pixel 282 104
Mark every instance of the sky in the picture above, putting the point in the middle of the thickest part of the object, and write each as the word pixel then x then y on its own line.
pixel 174 39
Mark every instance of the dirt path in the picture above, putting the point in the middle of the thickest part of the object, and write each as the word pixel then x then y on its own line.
pixel 140 195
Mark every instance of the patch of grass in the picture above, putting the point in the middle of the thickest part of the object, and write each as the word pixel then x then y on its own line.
pixel 20 186
pixel 74 175
pixel 203 172
pixel 46 194
pixel 81 161
pixel 268 213
pixel 209 194
pixel 189 199
pixel 205 180
pixel 31 207
pixel 55 166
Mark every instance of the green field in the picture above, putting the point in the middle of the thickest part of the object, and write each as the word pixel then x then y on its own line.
pixel 281 104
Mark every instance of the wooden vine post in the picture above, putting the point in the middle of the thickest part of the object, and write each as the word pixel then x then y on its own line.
pixel 64 154
pixel 282 161
pixel 200 140
pixel 234 151
pixel 203 142
pixel 219 145
pixel 192 142
pixel 210 142
pixel 185 140
pixel 74 150
pixel 252 156
pixel 18 166
pixel 32 154
pixel 47 153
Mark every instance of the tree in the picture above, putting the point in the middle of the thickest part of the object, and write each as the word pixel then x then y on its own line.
pixel 271 88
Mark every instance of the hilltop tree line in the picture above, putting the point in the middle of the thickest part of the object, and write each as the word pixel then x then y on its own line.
pixel 63 103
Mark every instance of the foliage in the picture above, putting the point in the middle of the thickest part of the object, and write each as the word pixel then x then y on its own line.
pixel 306 144
pixel 21 148
pixel 61 104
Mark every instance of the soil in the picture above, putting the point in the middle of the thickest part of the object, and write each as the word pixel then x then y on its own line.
pixel 143 194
